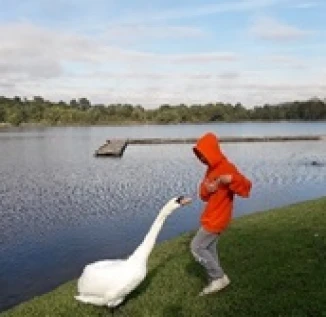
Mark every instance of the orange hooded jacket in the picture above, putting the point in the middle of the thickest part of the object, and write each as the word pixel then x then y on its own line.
pixel 218 211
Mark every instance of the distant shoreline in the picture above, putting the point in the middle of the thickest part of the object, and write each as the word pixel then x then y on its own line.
pixel 9 126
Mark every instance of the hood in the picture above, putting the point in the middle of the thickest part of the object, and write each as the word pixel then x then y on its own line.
pixel 208 146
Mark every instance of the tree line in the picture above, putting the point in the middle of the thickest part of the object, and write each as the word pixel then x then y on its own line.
pixel 17 111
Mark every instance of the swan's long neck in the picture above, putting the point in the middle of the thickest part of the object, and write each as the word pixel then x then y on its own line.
pixel 143 251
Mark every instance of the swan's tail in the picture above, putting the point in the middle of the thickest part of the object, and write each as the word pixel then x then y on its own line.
pixel 91 299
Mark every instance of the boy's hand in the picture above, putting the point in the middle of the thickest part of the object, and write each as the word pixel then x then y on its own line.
pixel 212 186
pixel 225 179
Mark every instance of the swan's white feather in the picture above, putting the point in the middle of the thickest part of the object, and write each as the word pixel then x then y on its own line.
pixel 107 282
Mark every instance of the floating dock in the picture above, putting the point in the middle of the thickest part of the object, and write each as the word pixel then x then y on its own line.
pixel 113 148
pixel 116 147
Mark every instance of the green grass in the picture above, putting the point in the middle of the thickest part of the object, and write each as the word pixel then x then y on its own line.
pixel 276 261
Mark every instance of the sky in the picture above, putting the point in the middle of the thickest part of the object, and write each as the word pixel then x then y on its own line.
pixel 164 51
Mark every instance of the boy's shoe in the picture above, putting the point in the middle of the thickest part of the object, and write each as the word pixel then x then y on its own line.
pixel 215 285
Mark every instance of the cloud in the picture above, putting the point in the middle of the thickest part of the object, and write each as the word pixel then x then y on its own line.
pixel 35 52
pixel 248 91
pixel 35 60
pixel 203 57
pixel 7 84
pixel 250 88
pixel 22 52
pixel 267 28
pixel 287 61
pixel 282 87
pixel 64 65
pixel 168 77
pixel 229 75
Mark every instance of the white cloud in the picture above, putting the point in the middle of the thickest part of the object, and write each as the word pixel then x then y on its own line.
pixel 287 61
pixel 187 91
pixel 250 88
pixel 34 52
pixel 63 65
pixel 267 28
pixel 229 75
pixel 203 57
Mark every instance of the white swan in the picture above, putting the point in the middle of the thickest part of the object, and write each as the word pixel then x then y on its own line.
pixel 107 282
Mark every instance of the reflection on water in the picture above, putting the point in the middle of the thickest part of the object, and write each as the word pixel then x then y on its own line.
pixel 61 207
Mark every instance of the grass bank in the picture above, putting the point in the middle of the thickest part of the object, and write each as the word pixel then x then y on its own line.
pixel 276 261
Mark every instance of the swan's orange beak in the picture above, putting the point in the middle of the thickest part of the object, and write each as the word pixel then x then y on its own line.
pixel 185 201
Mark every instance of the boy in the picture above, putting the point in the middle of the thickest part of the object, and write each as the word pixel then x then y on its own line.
pixel 221 181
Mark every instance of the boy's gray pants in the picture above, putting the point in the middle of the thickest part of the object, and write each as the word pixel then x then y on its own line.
pixel 203 247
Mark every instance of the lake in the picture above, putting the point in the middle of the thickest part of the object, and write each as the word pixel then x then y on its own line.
pixel 62 208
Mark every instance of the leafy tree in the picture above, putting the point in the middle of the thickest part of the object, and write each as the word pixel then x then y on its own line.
pixel 84 103
pixel 18 110
pixel 138 114
pixel 15 118
pixel 2 113
pixel 38 99
pixel 73 103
